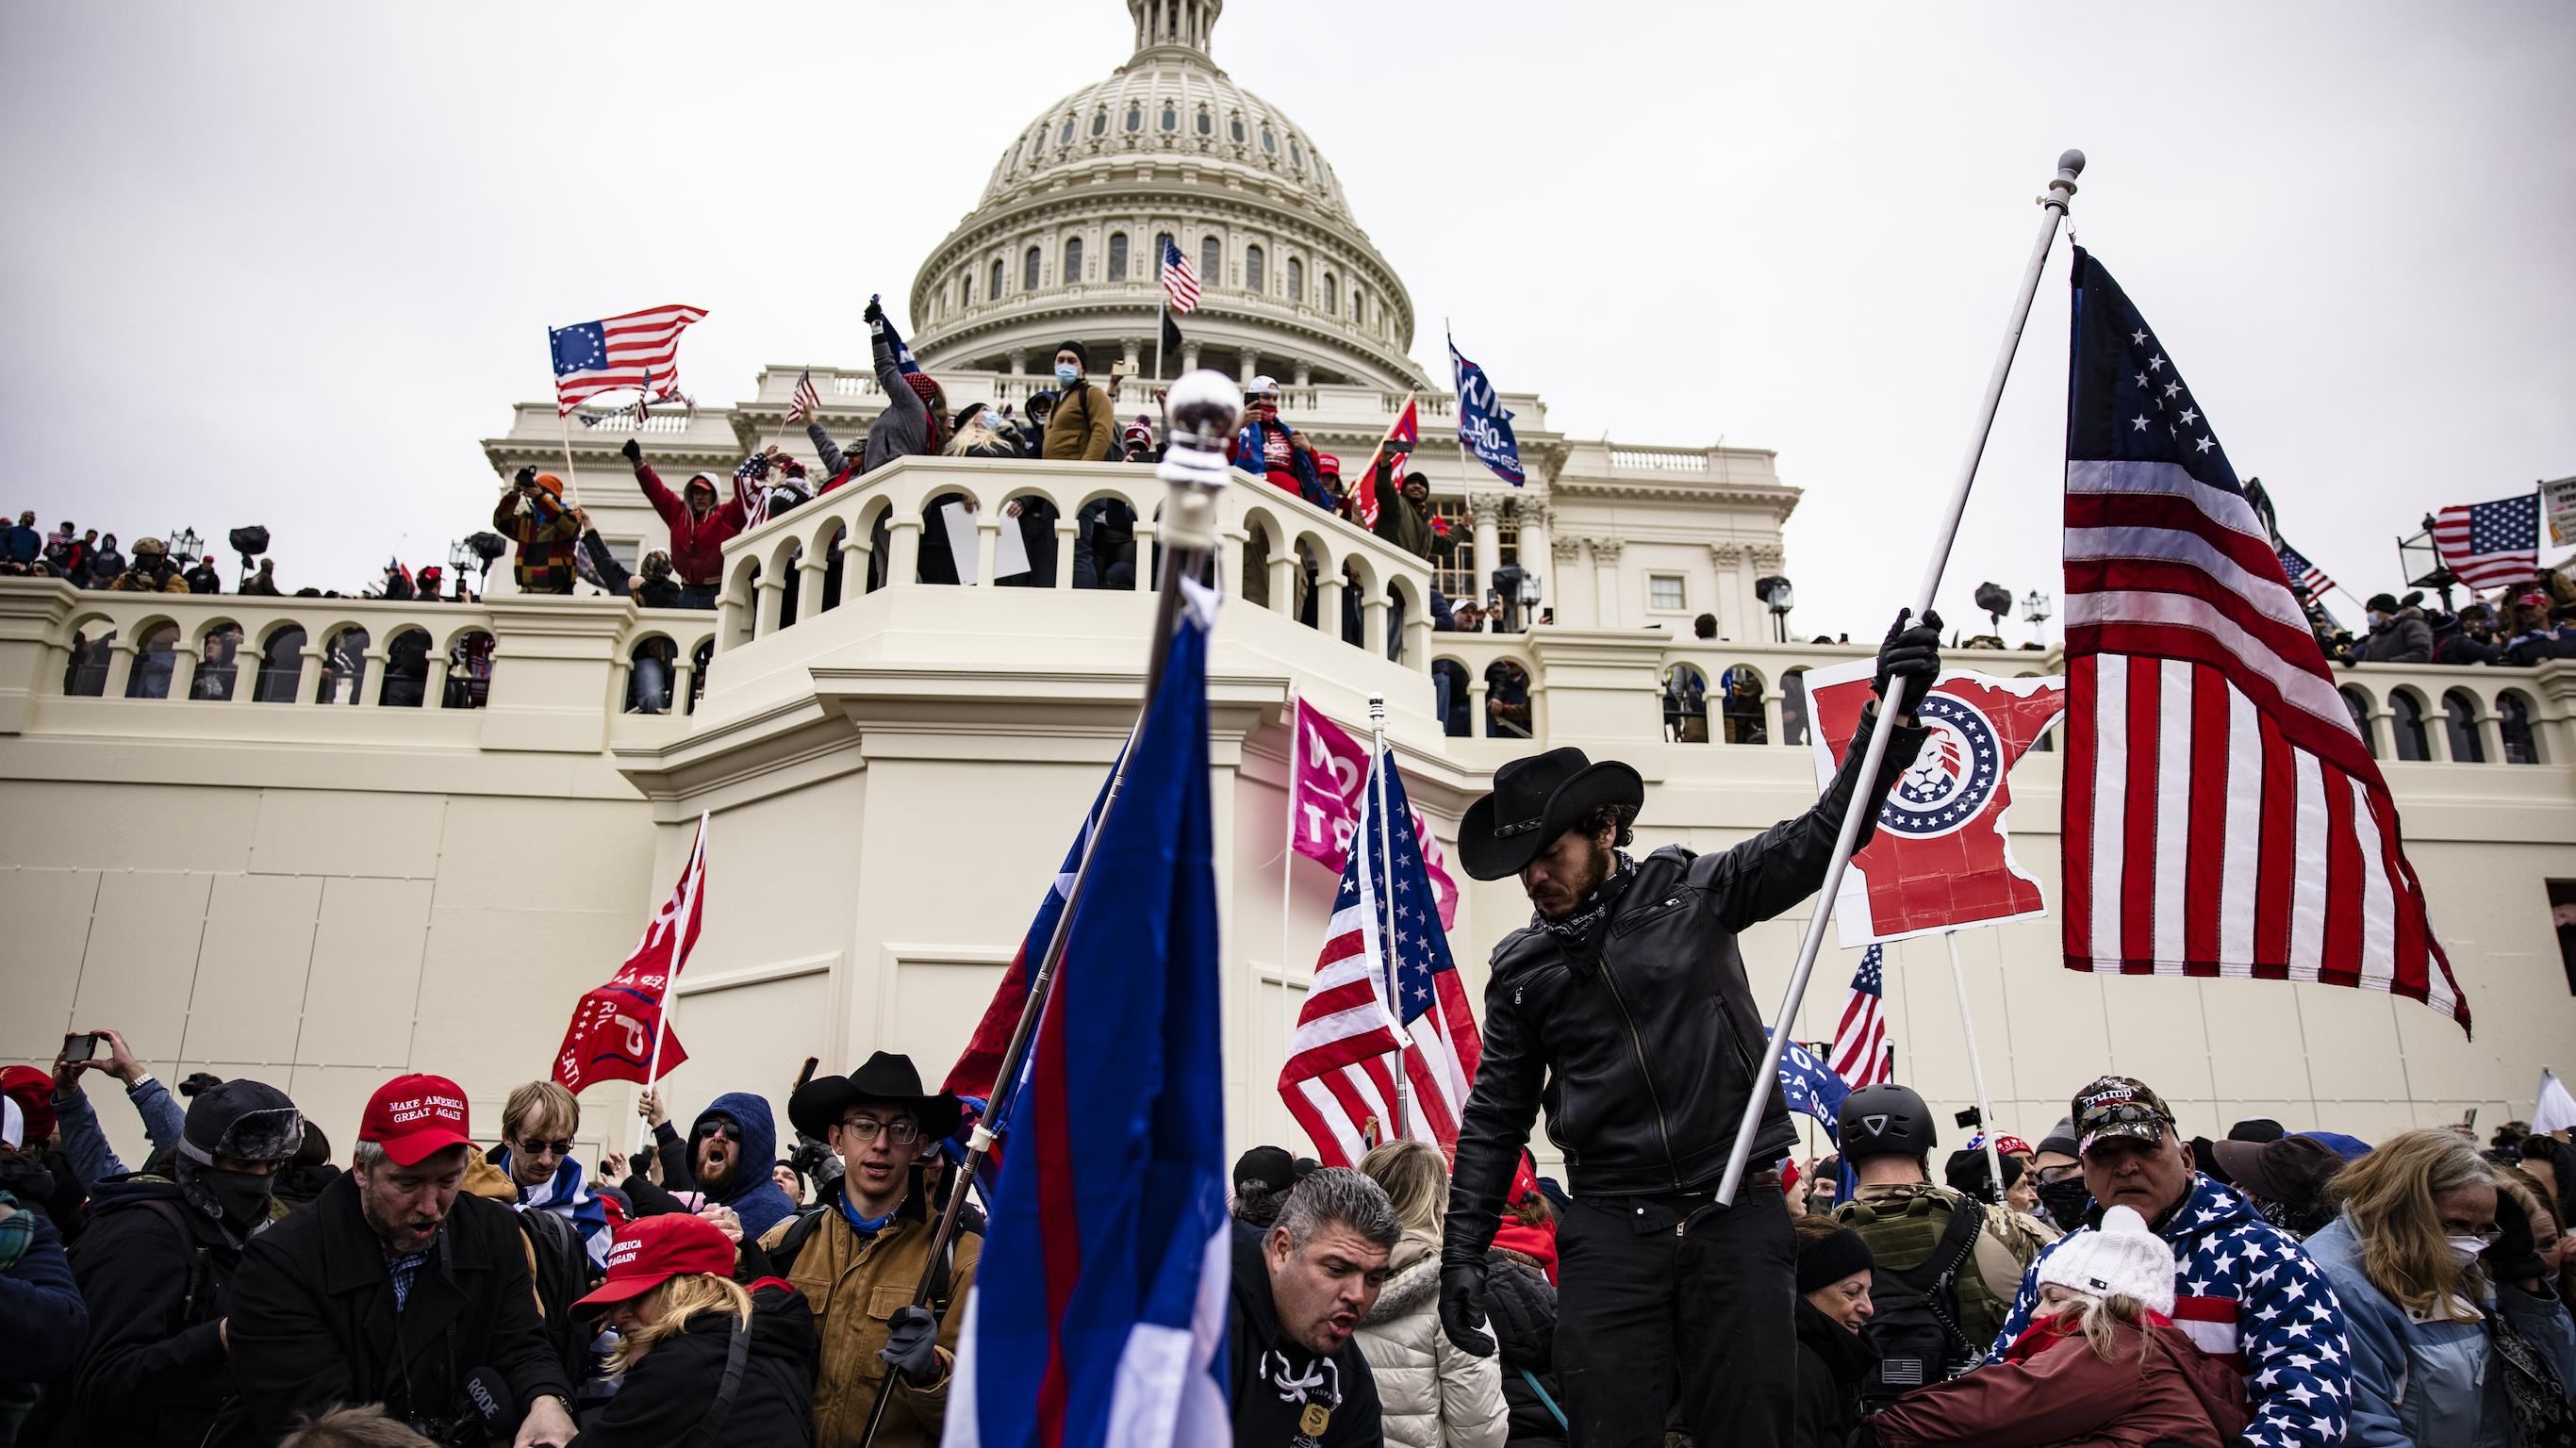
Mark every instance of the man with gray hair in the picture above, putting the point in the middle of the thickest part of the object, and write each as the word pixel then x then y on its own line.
pixel 1301 1288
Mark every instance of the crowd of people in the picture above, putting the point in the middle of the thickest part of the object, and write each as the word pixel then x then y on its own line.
pixel 2528 624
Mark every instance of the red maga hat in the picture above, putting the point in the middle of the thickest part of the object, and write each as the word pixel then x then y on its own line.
pixel 416 1117
pixel 650 1251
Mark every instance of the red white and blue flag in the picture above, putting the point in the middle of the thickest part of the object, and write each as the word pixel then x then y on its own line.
pixel 805 402
pixel 2304 576
pixel 1099 1310
pixel 2222 813
pixel 1339 1080
pixel 612 1030
pixel 1180 279
pixel 637 349
pixel 2490 545
pixel 1860 1053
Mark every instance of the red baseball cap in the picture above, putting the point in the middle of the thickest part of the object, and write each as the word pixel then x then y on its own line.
pixel 2533 599
pixel 32 1087
pixel 650 1251
pixel 1327 463
pixel 415 1117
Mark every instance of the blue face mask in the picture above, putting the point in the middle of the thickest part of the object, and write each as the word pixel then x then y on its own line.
pixel 1066 374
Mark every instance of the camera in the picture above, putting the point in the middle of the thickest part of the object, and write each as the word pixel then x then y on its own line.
pixel 1970 1120
pixel 81 1048
pixel 819 1164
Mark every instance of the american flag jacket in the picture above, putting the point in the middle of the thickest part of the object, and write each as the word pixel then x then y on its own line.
pixel 2247 1293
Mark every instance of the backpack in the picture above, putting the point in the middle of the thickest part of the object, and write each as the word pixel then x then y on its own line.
pixel 561 1267
pixel 782 1258
pixel 1914 1329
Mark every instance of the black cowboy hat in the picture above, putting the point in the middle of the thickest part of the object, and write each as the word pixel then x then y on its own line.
pixel 819 1104
pixel 1535 800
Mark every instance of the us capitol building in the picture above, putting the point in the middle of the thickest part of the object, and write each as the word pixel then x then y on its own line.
pixel 262 861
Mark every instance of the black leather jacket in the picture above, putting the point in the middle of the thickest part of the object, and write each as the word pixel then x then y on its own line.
pixel 1644 1059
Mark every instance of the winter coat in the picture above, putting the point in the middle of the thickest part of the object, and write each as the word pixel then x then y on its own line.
pixel 2429 1383
pixel 542 562
pixel 1080 428
pixel 21 544
pixel 1252 454
pixel 1273 1383
pixel 1430 1394
pixel 1520 1310
pixel 1643 1047
pixel 2248 1295
pixel 697 539
pixel 2403 638
pixel 854 1285
pixel 753 1196
pixel 85 1142
pixel 2056 1389
pixel 1902 1222
pixel 670 1389
pixel 1831 1363
pixel 1397 523
pixel 313 1321
pixel 135 580
pixel 157 1273
pixel 904 429
pixel 43 1319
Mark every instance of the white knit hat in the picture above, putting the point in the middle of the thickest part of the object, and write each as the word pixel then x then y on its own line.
pixel 13 1124
pixel 2120 1258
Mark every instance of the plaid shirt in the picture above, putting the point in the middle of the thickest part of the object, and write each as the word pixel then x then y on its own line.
pixel 546 536
pixel 403 1269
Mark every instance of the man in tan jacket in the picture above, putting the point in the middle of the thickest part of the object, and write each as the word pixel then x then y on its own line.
pixel 1084 419
pixel 859 1254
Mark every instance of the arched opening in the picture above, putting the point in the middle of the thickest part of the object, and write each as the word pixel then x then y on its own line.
pixel 1030 516
pixel 790 576
pixel 1332 293
pixel 85 677
pixel 1685 704
pixel 1296 277
pixel 2357 704
pixel 651 667
pixel 469 671
pixel 1211 261
pixel 1118 256
pixel 1256 566
pixel 1739 707
pixel 941 536
pixel 1029 270
pixel 698 664
pixel 2460 722
pixel 1072 260
pixel 407 670
pixel 156 656
pixel 834 557
pixel 1171 116
pixel 2406 724
pixel 1793 709
pixel 1449 684
pixel 1252 260
pixel 281 663
pixel 1355 597
pixel 344 668
pixel 2513 716
pixel 1104 544
pixel 994 292
pixel 1507 700
pixel 1135 117
pixel 218 662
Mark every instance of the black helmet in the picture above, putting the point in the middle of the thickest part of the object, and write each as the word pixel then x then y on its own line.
pixel 1886 1120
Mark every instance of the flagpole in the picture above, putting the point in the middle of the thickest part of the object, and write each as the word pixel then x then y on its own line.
pixel 572 479
pixel 1288 857
pixel 1976 1063
pixel 671 978
pixel 1162 317
pixel 1200 415
pixel 1386 911
pixel 2061 187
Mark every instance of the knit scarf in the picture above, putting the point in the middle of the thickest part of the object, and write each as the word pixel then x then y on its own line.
pixel 566 1197
pixel 1580 926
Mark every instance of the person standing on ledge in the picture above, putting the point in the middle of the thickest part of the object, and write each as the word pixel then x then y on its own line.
pixel 1623 1008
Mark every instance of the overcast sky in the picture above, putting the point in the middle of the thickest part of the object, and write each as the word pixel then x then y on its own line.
pixel 290 263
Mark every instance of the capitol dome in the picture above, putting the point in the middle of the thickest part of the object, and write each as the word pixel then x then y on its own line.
pixel 1066 238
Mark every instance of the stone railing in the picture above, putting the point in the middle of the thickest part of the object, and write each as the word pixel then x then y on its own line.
pixel 869 536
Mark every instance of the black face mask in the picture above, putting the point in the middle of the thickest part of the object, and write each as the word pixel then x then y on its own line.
pixel 243 1196
pixel 2064 1201
pixel 25 1178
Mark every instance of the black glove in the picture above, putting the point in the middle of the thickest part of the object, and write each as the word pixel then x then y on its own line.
pixel 527 478
pixel 1462 1308
pixel 1912 656
pixel 634 452
pixel 874 313
pixel 912 1344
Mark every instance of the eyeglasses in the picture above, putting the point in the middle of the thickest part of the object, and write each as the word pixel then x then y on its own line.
pixel 900 1132
pixel 2489 1234
pixel 714 1129
pixel 546 1148
pixel 2052 1175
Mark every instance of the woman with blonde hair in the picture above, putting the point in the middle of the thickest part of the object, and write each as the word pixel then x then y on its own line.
pixel 2405 1258
pixel 1432 1394
pixel 681 1319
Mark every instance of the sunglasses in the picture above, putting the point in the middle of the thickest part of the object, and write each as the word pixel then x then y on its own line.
pixel 714 1129
pixel 534 1147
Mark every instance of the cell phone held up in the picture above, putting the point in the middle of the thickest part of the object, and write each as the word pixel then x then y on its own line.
pixel 82 1047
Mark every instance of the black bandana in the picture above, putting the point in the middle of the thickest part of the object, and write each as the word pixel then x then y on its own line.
pixel 1583 922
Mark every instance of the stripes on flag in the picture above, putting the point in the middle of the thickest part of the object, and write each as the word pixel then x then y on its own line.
pixel 2490 545
pixel 1860 1053
pixel 2304 575
pixel 636 349
pixel 1338 1081
pixel 2222 814
pixel 806 402
pixel 1180 279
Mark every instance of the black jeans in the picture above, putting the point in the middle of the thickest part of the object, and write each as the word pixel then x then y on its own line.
pixel 1673 1298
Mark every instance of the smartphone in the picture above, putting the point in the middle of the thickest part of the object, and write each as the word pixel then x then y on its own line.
pixel 82 1048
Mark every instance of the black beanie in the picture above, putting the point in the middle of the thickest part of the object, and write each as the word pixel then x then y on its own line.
pixel 1829 1259
pixel 1265 1168
pixel 1080 353
pixel 243 1120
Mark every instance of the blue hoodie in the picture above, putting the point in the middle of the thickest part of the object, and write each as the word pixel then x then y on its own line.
pixel 753 1196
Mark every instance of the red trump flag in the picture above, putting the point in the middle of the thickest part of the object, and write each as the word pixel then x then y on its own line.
pixel 614 1029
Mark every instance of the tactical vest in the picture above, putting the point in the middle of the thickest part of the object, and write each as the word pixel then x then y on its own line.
pixel 1924 1250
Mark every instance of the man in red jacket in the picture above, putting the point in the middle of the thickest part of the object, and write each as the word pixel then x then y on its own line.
pixel 699 528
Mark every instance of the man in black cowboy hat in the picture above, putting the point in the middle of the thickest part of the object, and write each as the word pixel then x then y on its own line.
pixel 1623 1009
pixel 858 1256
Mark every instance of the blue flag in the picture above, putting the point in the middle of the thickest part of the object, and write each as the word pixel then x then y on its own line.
pixel 1099 1309
pixel 903 362
pixel 1809 1086
pixel 1483 424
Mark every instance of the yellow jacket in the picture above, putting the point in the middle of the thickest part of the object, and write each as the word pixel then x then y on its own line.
pixel 855 1288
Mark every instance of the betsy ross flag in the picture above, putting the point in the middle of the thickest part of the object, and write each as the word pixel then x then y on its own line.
pixel 1339 1081
pixel 1099 1308
pixel 1397 449
pixel 1180 279
pixel 611 1037
pixel 805 402
pixel 1861 1056
pixel 638 349
pixel 2303 574
pixel 2222 815
pixel 2490 545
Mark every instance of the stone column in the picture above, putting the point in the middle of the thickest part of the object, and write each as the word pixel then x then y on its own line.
pixel 1485 511
pixel 433 690
pixel 1237 562
pixel 1374 609
pixel 1067 533
pixel 1568 553
pixel 772 596
pixel 1250 369
pixel 816 565
pixel 1417 640
pixel 903 544
pixel 682 672
pixel 1019 360
pixel 1534 557
pixel 308 678
pixel 1605 575
pixel 371 682
pixel 1305 375
pixel 1285 569
pixel 1144 582
pixel 1328 603
pixel 1189 355
pixel 1134 348
pixel 855 552
pixel 988 544
pixel 1732 591
pixel 1478 725
pixel 120 667
pixel 184 662
pixel 248 660
pixel 1764 559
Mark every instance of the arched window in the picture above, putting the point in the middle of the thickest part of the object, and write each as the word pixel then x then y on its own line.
pixel 1296 280
pixel 994 292
pixel 1211 262
pixel 1099 123
pixel 1269 142
pixel 1207 123
pixel 1135 117
pixel 1685 705
pixel 1065 137
pixel 1029 271
pixel 1252 268
pixel 2460 719
pixel 1332 293
pixel 1072 260
pixel 1118 256
pixel 156 658
pixel 2406 722
pixel 1234 124
pixel 2513 717
pixel 966 290
pixel 1296 154
pixel 1171 116
pixel 1359 306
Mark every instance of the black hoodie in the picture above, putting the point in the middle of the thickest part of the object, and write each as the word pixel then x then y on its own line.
pixel 157 1274
pixel 1340 1386
pixel 670 1389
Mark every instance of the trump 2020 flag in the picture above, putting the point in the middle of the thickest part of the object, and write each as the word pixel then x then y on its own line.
pixel 1941 858
pixel 613 1030
pixel 1810 1087
pixel 1098 1315
pixel 1483 424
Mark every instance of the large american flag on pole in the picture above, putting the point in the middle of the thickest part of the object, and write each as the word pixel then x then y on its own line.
pixel 637 349
pixel 2222 815
pixel 2490 545
pixel 1339 1081
pixel 1859 1052
pixel 1180 279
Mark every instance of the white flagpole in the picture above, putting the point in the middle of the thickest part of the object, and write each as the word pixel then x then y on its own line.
pixel 1288 862
pixel 2060 188
pixel 1162 315
pixel 1386 910
pixel 572 479
pixel 693 875
pixel 1976 1063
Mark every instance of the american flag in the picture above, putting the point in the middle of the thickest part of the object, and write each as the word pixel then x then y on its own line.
pixel 1338 1082
pixel 1860 1052
pixel 807 401
pixel 2222 816
pixel 2493 544
pixel 1180 279
pixel 638 349
pixel 2303 574
pixel 751 489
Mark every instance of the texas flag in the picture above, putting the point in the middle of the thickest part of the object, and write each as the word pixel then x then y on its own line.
pixel 1941 858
